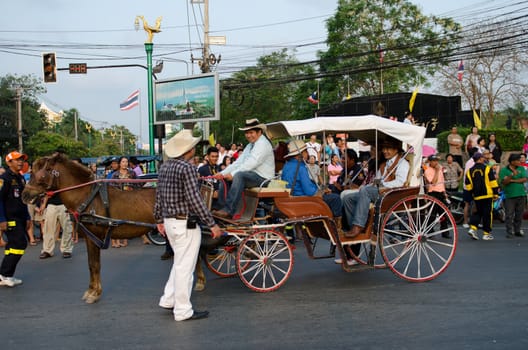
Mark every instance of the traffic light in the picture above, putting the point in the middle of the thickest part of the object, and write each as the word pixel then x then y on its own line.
pixel 50 67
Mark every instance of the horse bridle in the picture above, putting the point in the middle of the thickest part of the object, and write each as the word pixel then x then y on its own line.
pixel 42 175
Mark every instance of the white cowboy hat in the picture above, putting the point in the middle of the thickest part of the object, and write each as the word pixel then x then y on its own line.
pixel 295 147
pixel 254 124
pixel 180 144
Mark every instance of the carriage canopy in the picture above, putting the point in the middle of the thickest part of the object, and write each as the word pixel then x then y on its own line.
pixel 369 128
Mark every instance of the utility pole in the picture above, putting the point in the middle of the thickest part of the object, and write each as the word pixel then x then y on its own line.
pixel 208 59
pixel 75 125
pixel 18 98
pixel 206 68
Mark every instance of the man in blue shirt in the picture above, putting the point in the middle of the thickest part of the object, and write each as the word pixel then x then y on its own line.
pixel 251 169
pixel 300 182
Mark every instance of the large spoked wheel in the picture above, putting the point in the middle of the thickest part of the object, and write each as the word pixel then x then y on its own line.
pixel 222 260
pixel 264 260
pixel 418 238
pixel 363 251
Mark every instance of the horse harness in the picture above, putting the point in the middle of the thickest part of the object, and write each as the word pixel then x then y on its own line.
pixel 81 218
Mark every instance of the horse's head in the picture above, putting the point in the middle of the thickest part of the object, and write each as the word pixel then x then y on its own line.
pixel 53 173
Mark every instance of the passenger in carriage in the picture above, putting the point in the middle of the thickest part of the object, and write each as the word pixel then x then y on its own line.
pixel 253 167
pixel 210 168
pixel 351 178
pixel 314 170
pixel 392 174
pixel 296 174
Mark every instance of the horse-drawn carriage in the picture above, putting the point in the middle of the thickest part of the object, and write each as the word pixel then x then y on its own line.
pixel 405 230
pixel 413 234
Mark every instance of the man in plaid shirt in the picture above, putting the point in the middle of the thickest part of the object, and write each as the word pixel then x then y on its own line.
pixel 178 206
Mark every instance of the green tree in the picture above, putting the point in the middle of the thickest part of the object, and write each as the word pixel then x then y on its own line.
pixel 45 143
pixel 412 44
pixel 268 91
pixel 32 120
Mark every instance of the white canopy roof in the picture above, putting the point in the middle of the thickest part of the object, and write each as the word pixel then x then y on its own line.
pixel 369 128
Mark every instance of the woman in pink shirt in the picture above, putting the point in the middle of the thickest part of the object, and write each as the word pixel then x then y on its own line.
pixel 334 169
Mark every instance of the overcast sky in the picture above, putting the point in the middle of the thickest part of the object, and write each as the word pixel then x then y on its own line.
pixel 83 31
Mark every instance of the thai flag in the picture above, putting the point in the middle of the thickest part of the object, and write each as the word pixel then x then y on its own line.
pixel 381 54
pixel 131 102
pixel 460 72
pixel 313 98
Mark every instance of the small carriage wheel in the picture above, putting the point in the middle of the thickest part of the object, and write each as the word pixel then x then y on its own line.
pixel 363 255
pixel 155 237
pixel 222 260
pixel 418 238
pixel 264 260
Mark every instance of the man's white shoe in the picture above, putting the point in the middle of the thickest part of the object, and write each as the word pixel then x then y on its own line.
pixel 16 281
pixel 7 281
pixel 465 226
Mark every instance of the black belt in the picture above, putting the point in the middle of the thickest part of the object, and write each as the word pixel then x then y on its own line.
pixel 178 217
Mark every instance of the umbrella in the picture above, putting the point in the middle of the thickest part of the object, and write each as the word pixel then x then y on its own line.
pixel 428 151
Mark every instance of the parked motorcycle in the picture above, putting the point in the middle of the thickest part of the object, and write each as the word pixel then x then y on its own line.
pixel 455 203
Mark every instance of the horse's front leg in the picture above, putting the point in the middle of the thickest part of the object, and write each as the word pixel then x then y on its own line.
pixel 200 275
pixel 93 293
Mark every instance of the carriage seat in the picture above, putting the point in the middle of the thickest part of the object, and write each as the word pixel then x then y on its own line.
pixel 269 189
pixel 303 206
pixel 266 192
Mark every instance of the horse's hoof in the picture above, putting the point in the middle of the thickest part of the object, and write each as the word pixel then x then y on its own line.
pixel 199 287
pixel 91 297
pixel 91 300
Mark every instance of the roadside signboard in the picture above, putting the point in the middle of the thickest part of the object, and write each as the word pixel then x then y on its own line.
pixel 187 99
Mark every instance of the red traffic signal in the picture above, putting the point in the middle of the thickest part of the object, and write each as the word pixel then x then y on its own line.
pixel 50 67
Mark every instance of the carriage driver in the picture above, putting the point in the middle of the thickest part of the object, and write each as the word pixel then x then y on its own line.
pixel 251 169
pixel 177 209
pixel 14 217
pixel 393 173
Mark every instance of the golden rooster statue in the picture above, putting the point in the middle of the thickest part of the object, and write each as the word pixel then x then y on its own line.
pixel 150 30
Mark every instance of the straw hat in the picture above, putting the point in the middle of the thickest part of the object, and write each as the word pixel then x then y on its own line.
pixel 295 147
pixel 254 124
pixel 180 144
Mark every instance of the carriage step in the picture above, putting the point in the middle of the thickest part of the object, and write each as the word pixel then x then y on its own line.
pixel 362 237
pixel 356 268
pixel 232 221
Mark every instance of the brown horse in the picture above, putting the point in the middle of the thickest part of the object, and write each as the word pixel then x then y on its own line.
pixel 101 211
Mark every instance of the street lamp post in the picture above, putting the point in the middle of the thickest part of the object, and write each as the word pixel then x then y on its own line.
pixel 148 49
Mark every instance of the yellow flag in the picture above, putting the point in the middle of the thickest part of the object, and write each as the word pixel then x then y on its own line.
pixel 413 98
pixel 212 140
pixel 476 119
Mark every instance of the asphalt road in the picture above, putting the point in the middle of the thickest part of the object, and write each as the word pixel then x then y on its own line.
pixel 480 302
